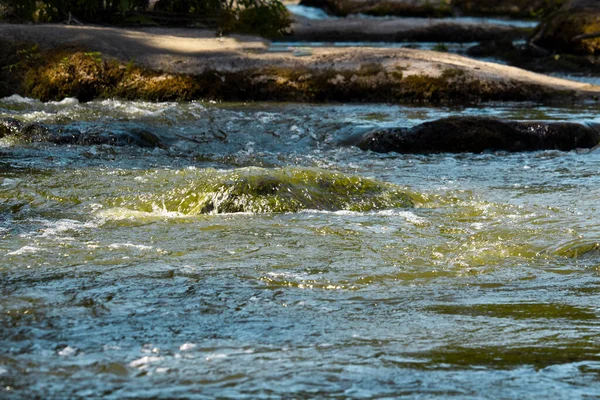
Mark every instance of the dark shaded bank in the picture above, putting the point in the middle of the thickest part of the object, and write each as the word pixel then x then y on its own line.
pixel 573 29
pixel 476 134
pixel 438 8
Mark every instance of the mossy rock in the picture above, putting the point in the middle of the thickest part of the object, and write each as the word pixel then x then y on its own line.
pixel 55 74
pixel 574 29
pixel 260 190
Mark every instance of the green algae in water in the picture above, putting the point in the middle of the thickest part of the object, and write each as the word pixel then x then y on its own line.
pixel 518 311
pixel 260 190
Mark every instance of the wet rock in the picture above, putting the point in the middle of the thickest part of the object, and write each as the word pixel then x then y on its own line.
pixel 262 190
pixel 492 48
pixel 477 134
pixel 574 29
pixel 322 74
pixel 34 132
pixel 98 135
pixel 138 137
pixel 9 126
pixel 580 249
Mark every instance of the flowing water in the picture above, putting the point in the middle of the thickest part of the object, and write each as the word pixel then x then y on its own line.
pixel 128 272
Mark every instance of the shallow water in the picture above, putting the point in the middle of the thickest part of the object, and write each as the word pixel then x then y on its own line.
pixel 315 13
pixel 487 288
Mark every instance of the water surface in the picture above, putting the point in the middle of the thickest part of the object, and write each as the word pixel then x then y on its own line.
pixel 487 288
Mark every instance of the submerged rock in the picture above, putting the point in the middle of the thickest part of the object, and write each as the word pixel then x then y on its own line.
pixel 574 29
pixel 478 134
pixel 580 249
pixel 97 135
pixel 260 190
pixel 9 126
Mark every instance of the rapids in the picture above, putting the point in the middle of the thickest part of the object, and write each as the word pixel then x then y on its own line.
pixel 456 276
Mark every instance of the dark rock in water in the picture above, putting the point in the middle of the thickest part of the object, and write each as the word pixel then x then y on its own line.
pixel 36 132
pixel 137 137
pixel 491 48
pixel 573 29
pixel 476 134
pixel 9 126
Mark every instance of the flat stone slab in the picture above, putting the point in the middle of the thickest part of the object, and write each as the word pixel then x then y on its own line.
pixel 242 68
pixel 401 30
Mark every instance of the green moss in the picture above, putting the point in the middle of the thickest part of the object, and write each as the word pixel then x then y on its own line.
pixel 518 311
pixel 260 190
pixel 559 32
pixel 441 47
pixel 57 74
pixel 502 357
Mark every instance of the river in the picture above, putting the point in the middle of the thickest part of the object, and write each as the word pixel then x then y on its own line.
pixel 487 286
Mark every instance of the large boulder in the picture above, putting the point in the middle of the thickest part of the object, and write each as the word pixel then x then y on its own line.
pixel 574 29
pixel 478 134
pixel 280 190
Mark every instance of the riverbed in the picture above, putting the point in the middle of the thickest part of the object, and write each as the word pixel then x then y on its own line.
pixel 486 286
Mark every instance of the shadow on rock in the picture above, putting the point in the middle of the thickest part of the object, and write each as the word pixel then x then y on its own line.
pixel 476 135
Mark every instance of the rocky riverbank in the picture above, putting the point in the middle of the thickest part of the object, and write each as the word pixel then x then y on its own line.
pixel 51 62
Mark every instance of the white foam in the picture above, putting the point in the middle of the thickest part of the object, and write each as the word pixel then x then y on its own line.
pixel 215 356
pixel 308 12
pixel 24 250
pixel 65 225
pixel 120 214
pixel 10 182
pixel 16 99
pixel 129 245
pixel 144 361
pixel 187 346
pixel 67 101
pixel 67 351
